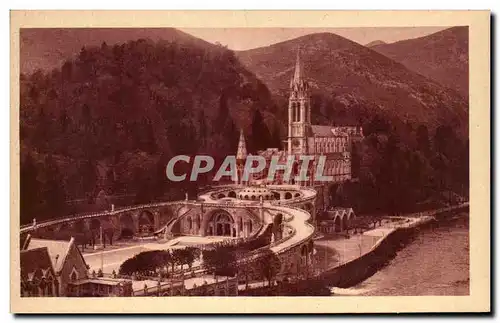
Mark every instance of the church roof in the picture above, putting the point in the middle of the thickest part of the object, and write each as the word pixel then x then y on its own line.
pixel 322 131
pixel 337 131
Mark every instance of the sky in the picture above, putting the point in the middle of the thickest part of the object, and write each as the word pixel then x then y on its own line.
pixel 248 38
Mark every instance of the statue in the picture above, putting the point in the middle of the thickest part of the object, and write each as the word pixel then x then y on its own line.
pixel 187 196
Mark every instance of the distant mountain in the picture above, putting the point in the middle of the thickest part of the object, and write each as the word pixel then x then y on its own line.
pixel 353 82
pixel 48 48
pixel 375 43
pixel 442 56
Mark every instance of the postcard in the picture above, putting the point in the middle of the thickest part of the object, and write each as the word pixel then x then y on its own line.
pixel 250 161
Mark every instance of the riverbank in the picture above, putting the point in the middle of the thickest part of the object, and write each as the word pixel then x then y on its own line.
pixel 388 241
pixel 434 262
pixel 353 262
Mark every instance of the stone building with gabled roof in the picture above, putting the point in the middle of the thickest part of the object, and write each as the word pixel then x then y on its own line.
pixel 37 274
pixel 57 268
pixel 66 260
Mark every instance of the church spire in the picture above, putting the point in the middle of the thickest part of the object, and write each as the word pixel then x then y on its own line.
pixel 297 76
pixel 242 147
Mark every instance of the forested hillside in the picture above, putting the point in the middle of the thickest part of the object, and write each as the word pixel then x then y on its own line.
pixel 110 119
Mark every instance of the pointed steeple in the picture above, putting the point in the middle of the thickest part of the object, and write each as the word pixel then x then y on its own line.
pixel 297 75
pixel 242 147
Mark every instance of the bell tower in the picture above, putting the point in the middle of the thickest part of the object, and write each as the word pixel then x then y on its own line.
pixel 299 111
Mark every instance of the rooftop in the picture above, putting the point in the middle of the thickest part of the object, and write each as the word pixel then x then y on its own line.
pixel 32 260
pixel 336 131
pixel 56 249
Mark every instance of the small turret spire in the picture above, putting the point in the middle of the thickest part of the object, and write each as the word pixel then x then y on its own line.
pixel 242 147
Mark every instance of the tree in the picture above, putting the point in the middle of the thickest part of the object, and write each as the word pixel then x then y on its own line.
pixel 191 255
pixel 220 261
pixel 53 193
pixel 444 140
pixel 276 136
pixel 147 139
pixel 203 128
pixel 269 266
pixel 42 130
pixel 64 122
pixel 29 189
pixel 423 141
pixel 261 138
pixel 145 263
pixel 88 177
pixel 224 130
pixel 245 270
pixel 177 258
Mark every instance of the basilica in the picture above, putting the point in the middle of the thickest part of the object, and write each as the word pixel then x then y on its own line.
pixel 335 143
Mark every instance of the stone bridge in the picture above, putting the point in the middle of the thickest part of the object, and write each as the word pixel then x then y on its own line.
pixel 211 215
pixel 215 213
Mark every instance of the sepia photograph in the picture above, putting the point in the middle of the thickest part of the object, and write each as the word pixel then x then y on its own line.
pixel 245 162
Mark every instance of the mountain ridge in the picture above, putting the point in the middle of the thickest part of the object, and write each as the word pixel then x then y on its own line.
pixel 375 43
pixel 48 48
pixel 441 56
pixel 356 80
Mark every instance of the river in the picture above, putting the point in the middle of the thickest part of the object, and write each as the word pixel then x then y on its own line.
pixel 435 262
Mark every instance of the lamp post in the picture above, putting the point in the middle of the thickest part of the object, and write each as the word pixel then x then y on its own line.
pixel 102 245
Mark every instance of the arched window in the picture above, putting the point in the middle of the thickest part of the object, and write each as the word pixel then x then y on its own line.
pixel 307 107
pixel 299 117
pixel 190 222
